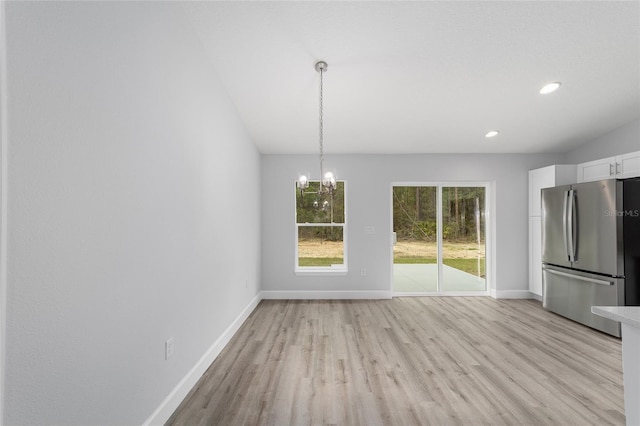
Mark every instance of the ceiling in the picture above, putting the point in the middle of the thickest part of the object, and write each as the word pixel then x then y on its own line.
pixel 425 77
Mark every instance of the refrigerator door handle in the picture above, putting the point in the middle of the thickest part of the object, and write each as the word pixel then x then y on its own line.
pixel 574 226
pixel 564 224
pixel 571 234
pixel 578 277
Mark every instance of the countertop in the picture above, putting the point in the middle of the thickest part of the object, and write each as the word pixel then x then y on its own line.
pixel 629 315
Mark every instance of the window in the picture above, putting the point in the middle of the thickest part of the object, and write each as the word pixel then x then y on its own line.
pixel 321 230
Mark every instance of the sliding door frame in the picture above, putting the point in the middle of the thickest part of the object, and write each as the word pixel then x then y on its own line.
pixel 489 224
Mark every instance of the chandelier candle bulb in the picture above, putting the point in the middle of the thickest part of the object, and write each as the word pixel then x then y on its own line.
pixel 329 181
pixel 303 182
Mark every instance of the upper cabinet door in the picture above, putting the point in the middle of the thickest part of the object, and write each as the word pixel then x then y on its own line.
pixel 597 170
pixel 629 165
pixel 620 167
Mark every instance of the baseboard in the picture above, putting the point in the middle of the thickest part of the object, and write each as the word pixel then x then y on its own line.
pixel 355 294
pixel 173 400
pixel 511 294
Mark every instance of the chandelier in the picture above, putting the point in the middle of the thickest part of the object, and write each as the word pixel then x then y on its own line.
pixel 328 180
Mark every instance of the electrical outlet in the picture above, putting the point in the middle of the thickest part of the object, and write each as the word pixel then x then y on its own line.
pixel 168 348
pixel 363 272
pixel 370 230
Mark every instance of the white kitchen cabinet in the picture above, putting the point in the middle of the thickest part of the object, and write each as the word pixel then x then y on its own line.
pixel 629 317
pixel 629 165
pixel 535 255
pixel 546 177
pixel 621 167
pixel 603 168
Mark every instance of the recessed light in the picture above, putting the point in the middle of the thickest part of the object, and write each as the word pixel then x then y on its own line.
pixel 550 88
pixel 491 134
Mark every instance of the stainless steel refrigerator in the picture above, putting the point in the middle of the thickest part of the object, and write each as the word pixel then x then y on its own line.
pixel 591 249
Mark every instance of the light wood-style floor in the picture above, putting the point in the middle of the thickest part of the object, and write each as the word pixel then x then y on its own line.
pixel 410 361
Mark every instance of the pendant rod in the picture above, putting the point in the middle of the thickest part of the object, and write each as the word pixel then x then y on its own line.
pixel 321 67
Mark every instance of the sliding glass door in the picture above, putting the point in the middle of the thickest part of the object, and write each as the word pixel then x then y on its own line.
pixel 415 249
pixel 463 239
pixel 439 239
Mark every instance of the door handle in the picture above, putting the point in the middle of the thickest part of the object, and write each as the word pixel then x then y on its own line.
pixel 570 234
pixel 610 169
pixel 578 277
pixel 564 225
pixel 573 226
pixel 617 169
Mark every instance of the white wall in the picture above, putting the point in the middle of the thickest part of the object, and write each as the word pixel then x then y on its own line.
pixel 133 210
pixel 622 140
pixel 369 179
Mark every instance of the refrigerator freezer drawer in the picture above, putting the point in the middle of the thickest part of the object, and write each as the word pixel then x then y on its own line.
pixel 572 294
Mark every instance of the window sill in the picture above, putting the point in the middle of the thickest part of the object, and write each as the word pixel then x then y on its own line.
pixel 320 271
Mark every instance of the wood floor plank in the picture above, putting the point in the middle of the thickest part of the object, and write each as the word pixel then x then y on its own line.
pixel 410 361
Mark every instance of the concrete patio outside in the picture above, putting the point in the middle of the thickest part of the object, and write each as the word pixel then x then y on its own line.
pixel 423 278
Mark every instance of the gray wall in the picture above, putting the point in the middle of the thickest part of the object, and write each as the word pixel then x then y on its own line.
pixel 369 179
pixel 622 140
pixel 133 212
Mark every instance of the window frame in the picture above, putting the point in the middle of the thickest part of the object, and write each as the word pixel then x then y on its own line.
pixel 321 270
